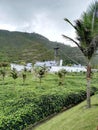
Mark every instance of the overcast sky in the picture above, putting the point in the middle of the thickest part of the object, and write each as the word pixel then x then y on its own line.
pixel 42 16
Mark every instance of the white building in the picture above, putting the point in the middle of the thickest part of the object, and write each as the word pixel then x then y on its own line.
pixel 18 67
pixel 45 63
pixel 54 69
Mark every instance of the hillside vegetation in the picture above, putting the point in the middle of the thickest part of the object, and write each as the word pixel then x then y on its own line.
pixel 32 47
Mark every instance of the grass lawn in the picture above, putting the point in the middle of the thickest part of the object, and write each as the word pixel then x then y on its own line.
pixel 76 118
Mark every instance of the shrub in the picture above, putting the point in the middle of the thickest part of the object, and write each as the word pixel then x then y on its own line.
pixel 39 108
pixel 61 74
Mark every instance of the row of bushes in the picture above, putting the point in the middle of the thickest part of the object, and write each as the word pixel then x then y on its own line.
pixel 41 108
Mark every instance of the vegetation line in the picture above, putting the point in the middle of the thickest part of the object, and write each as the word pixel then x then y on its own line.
pixel 49 117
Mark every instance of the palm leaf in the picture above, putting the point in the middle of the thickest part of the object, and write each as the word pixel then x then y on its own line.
pixel 68 21
pixel 72 40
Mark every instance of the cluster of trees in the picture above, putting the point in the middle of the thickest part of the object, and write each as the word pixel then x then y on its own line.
pixel 39 72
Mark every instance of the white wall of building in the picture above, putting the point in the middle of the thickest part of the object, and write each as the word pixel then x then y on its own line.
pixel 67 68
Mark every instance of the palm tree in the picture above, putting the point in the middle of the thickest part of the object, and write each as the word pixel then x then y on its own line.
pixel 87 39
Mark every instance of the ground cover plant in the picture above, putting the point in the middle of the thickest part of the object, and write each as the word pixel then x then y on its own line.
pixel 25 104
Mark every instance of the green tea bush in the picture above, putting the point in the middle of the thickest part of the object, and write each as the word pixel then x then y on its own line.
pixel 31 108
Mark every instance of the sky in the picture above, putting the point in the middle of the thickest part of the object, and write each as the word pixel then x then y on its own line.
pixel 45 17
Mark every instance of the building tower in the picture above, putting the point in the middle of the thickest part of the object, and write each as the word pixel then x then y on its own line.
pixel 56 54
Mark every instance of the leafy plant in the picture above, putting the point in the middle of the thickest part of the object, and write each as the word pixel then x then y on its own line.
pixel 3 73
pixel 61 74
pixel 24 75
pixel 14 74
pixel 40 72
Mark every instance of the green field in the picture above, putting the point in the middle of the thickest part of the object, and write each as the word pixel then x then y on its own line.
pixel 22 105
pixel 76 118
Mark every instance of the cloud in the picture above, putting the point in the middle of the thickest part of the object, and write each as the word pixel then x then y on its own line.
pixel 41 16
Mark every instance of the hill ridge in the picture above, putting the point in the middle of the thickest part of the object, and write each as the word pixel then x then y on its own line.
pixel 32 47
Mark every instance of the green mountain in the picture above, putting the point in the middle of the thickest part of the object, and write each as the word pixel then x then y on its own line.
pixel 32 47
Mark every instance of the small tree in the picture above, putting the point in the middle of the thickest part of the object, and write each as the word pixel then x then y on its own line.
pixel 14 74
pixel 24 75
pixel 61 74
pixel 3 73
pixel 40 72
pixel 3 65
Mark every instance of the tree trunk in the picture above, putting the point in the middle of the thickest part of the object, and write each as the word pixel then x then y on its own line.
pixel 88 85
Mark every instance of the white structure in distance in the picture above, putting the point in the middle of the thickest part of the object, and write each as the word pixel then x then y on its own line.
pixel 45 63
pixel 77 68
pixel 52 65
pixel 18 67
pixel 54 68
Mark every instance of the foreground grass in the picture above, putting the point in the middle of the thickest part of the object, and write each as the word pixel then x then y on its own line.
pixel 76 118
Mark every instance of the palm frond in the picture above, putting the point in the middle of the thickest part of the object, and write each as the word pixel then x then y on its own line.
pixel 71 40
pixel 68 21
pixel 87 31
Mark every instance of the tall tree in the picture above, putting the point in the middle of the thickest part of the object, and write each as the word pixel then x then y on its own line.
pixel 87 38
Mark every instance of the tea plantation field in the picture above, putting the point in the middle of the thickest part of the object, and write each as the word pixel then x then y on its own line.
pixel 28 103
pixel 76 118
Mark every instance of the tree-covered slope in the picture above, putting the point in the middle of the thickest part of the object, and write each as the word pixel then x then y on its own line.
pixel 32 47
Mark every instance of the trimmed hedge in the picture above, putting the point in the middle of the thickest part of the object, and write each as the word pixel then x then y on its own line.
pixel 41 108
